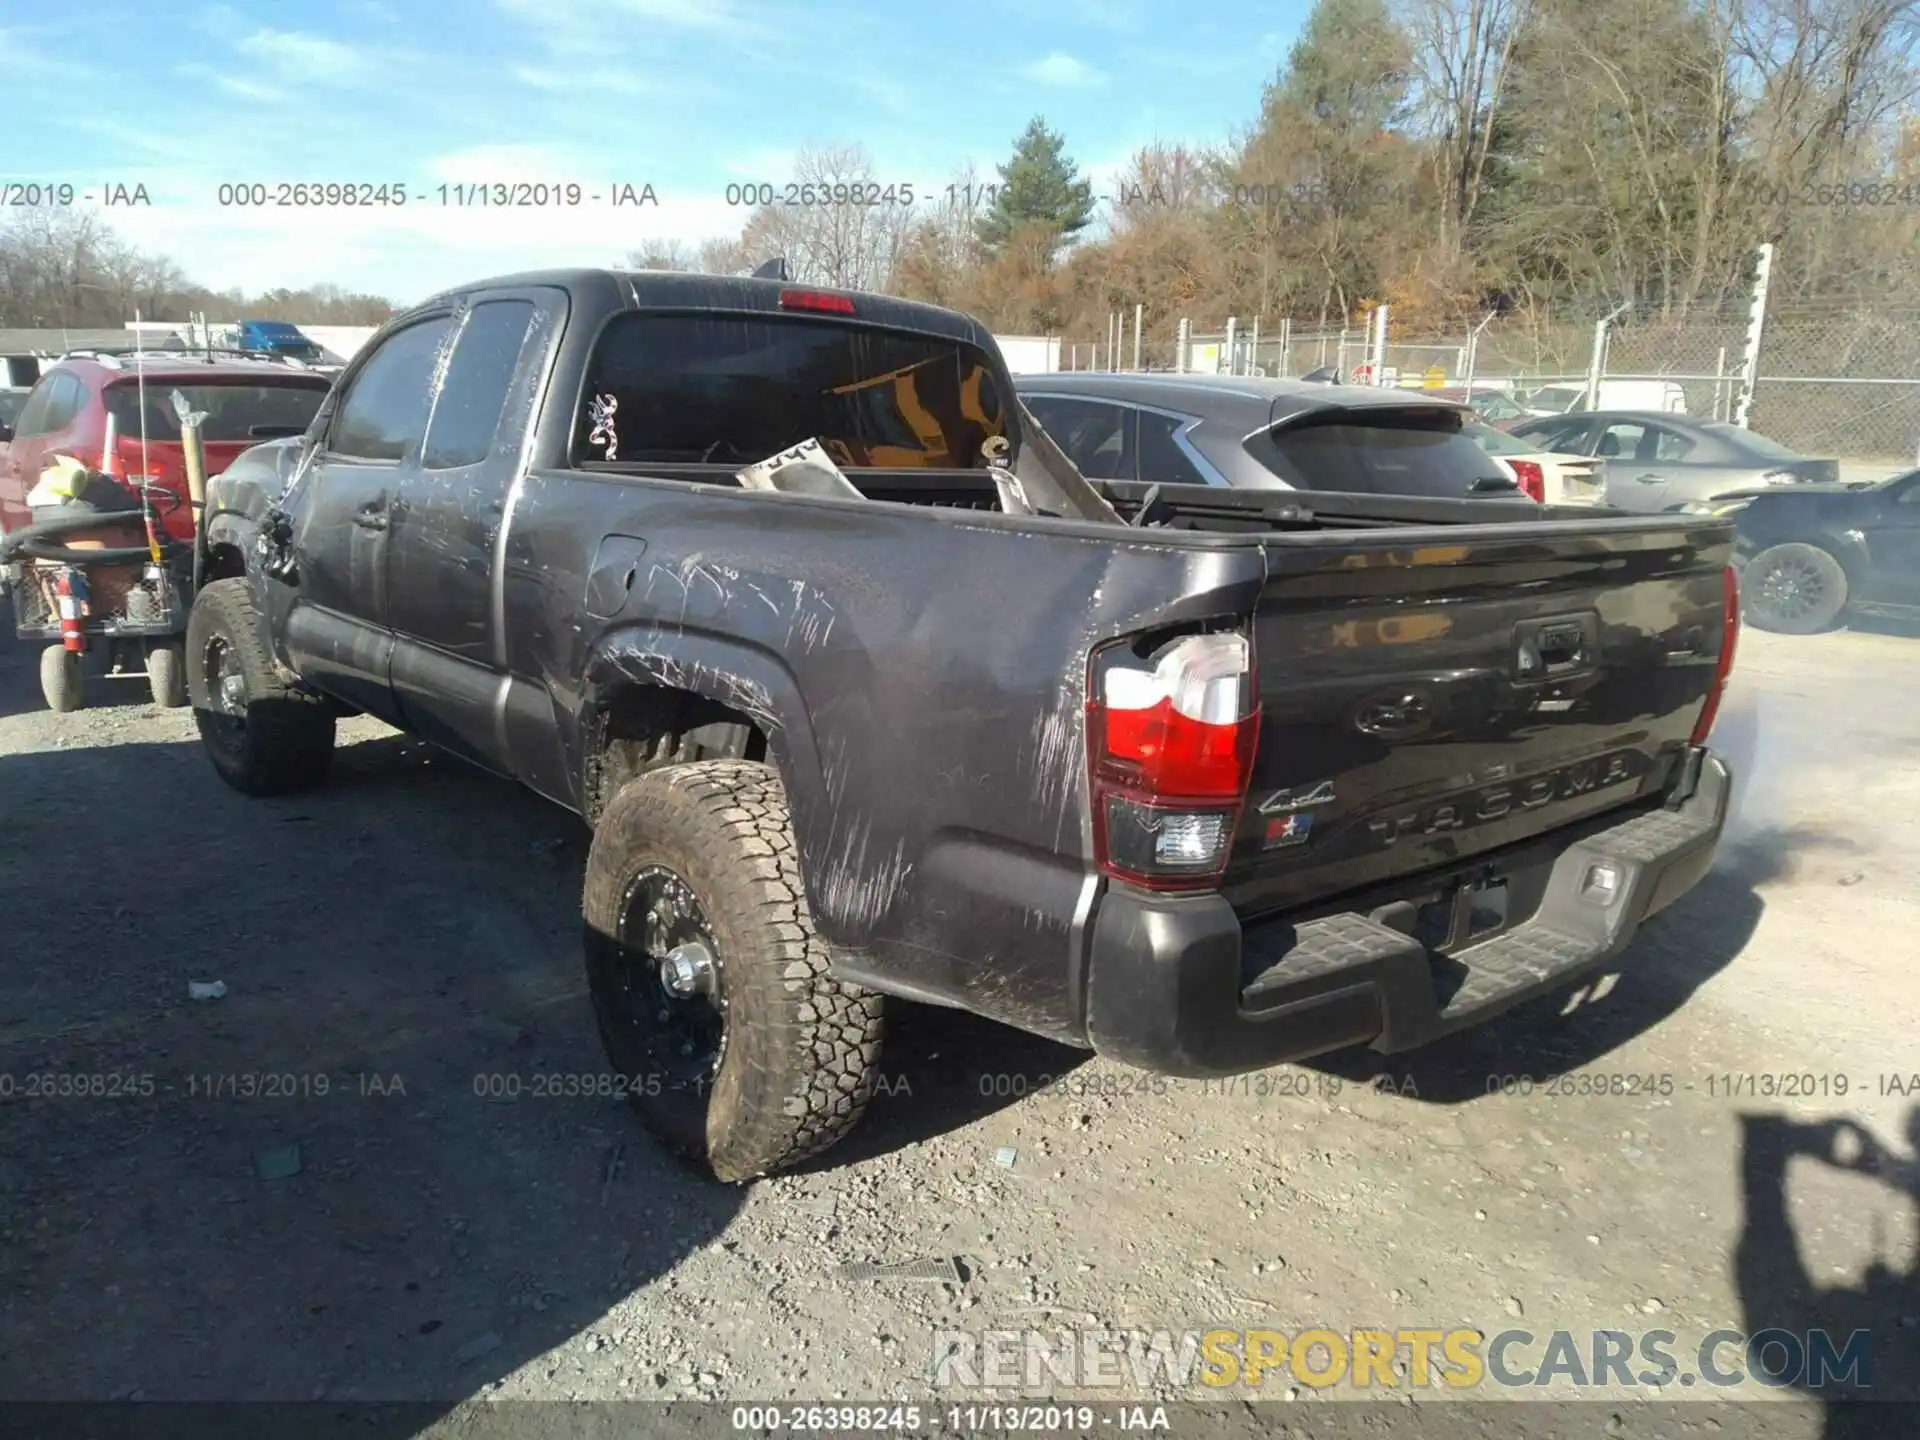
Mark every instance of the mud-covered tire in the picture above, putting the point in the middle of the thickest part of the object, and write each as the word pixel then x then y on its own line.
pixel 263 735
pixel 62 682
pixel 1793 589
pixel 797 1058
pixel 167 675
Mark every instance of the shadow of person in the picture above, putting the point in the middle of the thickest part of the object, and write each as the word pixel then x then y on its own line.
pixel 1780 1291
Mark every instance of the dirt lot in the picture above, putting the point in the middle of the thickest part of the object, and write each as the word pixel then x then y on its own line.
pixel 405 942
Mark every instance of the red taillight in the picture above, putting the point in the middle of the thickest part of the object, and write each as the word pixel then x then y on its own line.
pixel 822 300
pixel 1533 480
pixel 1171 739
pixel 1723 667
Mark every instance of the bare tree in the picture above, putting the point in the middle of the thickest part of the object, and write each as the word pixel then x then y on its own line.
pixel 1463 53
pixel 663 255
pixel 844 229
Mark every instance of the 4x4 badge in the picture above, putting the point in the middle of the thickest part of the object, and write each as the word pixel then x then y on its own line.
pixel 1281 802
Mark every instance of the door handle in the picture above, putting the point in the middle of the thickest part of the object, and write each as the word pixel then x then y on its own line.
pixel 372 517
pixel 1652 479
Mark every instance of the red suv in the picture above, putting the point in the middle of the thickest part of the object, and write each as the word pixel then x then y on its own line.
pixel 89 407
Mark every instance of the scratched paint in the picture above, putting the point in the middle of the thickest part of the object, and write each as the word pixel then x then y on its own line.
pixel 856 886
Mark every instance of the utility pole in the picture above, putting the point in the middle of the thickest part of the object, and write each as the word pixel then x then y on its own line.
pixel 1139 323
pixel 1756 322
pixel 1597 361
pixel 1473 350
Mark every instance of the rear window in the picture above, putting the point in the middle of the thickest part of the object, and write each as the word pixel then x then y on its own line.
pixel 234 412
pixel 1556 397
pixel 735 390
pixel 1495 442
pixel 1750 442
pixel 1382 455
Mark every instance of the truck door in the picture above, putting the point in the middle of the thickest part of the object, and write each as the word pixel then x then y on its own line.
pixel 449 518
pixel 1893 541
pixel 336 629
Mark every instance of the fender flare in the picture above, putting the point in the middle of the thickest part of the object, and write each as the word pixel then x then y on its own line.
pixel 748 678
pixel 235 528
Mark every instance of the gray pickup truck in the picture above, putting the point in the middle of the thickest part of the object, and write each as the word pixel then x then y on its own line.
pixel 1202 780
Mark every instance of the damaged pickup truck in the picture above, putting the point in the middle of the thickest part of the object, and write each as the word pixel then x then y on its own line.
pixel 1202 780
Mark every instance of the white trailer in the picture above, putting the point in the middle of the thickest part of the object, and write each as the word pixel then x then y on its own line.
pixel 1030 354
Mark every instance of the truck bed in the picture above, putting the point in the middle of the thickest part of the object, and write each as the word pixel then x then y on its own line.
pixel 931 711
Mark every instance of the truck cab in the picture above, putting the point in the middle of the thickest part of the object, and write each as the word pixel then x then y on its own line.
pixel 276 337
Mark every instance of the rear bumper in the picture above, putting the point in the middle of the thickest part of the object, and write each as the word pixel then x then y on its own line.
pixel 1177 986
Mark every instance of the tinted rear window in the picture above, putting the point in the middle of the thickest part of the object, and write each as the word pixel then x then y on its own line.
pixel 735 390
pixel 1750 442
pixel 233 411
pixel 1381 455
pixel 1495 442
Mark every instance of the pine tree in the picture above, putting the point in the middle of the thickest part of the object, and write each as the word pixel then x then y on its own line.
pixel 1039 185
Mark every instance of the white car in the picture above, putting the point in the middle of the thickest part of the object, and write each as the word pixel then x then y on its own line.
pixel 1549 477
pixel 1662 395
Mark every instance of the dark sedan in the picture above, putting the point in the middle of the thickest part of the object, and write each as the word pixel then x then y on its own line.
pixel 1263 434
pixel 1810 555
pixel 1657 460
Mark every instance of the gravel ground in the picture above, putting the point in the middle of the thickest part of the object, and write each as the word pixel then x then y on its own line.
pixel 401 960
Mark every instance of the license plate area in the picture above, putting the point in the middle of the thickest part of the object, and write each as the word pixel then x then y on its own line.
pixel 1473 911
pixel 1555 648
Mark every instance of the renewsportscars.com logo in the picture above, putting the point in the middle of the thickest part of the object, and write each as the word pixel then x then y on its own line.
pixel 1048 1361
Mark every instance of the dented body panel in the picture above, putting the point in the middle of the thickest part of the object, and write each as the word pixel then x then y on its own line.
pixel 917 671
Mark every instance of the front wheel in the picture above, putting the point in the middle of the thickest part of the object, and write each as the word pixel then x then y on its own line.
pixel 1794 589
pixel 61 681
pixel 710 988
pixel 264 736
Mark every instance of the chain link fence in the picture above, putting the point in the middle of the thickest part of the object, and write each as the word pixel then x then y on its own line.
pixel 1829 380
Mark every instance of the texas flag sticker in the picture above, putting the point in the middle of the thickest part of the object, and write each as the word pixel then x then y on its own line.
pixel 1288 830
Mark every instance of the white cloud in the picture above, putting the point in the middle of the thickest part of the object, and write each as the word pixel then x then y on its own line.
pixel 232 84
pixel 299 57
pixel 409 251
pixel 608 27
pixel 773 163
pixel 685 14
pixel 26 62
pixel 1062 69
pixel 894 96
pixel 508 164
pixel 1126 16
pixel 574 80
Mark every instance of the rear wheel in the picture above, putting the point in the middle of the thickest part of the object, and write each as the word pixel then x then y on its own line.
pixel 60 679
pixel 709 985
pixel 167 675
pixel 264 736
pixel 1794 589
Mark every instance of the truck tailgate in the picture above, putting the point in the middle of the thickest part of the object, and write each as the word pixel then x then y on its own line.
pixel 1427 700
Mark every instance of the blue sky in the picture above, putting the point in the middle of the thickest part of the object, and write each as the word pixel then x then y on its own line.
pixel 685 95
